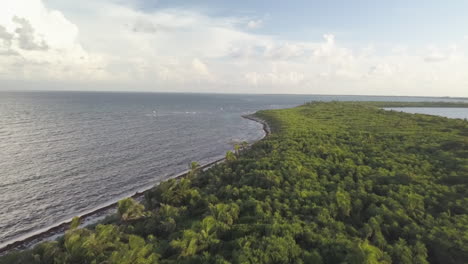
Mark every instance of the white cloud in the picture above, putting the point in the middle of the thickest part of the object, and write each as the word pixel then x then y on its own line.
pixel 381 69
pixel 109 42
pixel 255 24
pixel 274 78
pixel 144 26
pixel 435 57
pixel 5 36
pixel 26 36
pixel 201 69
pixel 435 54
pixel 44 43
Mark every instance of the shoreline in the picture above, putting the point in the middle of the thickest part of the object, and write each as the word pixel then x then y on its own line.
pixel 266 127
pixel 87 217
pixel 99 213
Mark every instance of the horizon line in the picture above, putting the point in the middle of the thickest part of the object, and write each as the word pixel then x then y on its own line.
pixel 227 93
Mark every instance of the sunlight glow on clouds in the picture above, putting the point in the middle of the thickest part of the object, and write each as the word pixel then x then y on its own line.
pixel 105 43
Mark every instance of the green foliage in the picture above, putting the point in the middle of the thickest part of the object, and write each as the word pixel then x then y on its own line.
pixel 194 168
pixel 225 213
pixel 343 201
pixel 230 157
pixel 129 209
pixel 271 249
pixel 334 183
pixel 75 223
pixel 364 253
pixel 197 239
pixel 135 252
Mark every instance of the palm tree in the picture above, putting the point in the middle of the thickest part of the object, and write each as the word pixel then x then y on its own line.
pixel 193 242
pixel 194 167
pixel 137 251
pixel 175 192
pixel 75 223
pixel 237 148
pixel 230 156
pixel 365 253
pixel 245 145
pixel 129 209
pixel 225 213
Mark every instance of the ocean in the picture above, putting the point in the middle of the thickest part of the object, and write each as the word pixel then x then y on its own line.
pixel 66 153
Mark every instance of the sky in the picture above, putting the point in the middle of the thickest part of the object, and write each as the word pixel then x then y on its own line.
pixel 367 47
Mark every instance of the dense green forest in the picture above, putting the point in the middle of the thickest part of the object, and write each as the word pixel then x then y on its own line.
pixel 333 183
pixel 417 104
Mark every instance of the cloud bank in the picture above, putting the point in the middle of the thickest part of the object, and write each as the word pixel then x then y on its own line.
pixel 111 45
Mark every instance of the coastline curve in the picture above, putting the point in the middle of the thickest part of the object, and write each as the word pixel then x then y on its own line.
pixel 93 216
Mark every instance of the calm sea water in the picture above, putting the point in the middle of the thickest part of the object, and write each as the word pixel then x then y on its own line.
pixel 65 153
pixel 460 113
